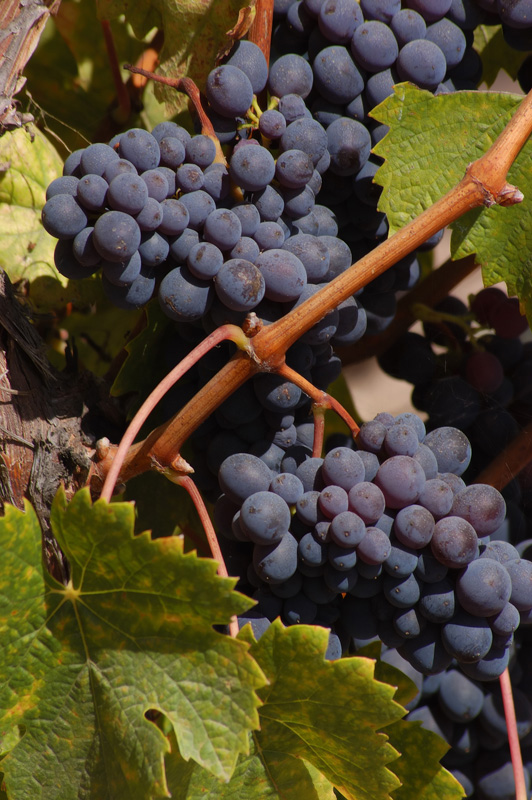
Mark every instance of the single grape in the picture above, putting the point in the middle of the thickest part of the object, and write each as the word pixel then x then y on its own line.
pixel 96 158
pixel 128 193
pixel 252 168
pixel 422 62
pixel 240 285
pixel 116 236
pixel 141 148
pixel 467 638
pixel 290 74
pixel 63 217
pixel 460 699
pixel 438 601
pixel 265 517
pixel 241 475
pixel 204 260
pixel 184 297
pixel 283 274
pixel 454 542
pixel 229 91
pixel 374 46
pixel 276 563
pixel 336 76
pixel 249 58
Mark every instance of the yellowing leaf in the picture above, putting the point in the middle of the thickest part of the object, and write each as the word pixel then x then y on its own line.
pixel 28 163
pixel 82 664
pixel 194 32
pixel 430 143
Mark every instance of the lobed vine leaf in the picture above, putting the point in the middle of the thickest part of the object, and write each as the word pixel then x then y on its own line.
pixel 195 31
pixel 250 780
pixel 426 153
pixel 28 163
pixel 496 54
pixel 419 768
pixel 328 713
pixel 132 631
pixel 319 728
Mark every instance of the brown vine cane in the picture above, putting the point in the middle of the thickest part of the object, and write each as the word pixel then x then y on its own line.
pixel 483 184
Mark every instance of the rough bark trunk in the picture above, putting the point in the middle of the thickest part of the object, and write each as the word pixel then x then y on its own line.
pixel 44 435
pixel 21 25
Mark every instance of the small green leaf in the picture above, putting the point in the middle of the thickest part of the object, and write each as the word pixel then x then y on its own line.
pixel 419 767
pixel 320 728
pixel 329 713
pixel 430 143
pixel 496 54
pixel 28 163
pixel 250 781
pixel 144 349
pixel 195 30
pixel 70 78
pixel 131 632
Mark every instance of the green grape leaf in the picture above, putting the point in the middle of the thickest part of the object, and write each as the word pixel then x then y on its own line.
pixel 28 163
pixel 144 349
pixel 194 33
pixel 70 79
pixel 422 775
pixel 132 631
pixel 430 143
pixel 496 54
pixel 329 713
pixel 295 779
pixel 165 508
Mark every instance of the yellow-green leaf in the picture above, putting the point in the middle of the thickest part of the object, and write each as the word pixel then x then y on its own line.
pixel 194 32
pixel 82 664
pixel 430 143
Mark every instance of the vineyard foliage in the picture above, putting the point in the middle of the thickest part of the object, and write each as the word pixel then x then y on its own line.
pixel 123 683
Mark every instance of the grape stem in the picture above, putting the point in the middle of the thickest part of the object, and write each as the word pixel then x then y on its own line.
pixel 429 292
pixel 321 399
pixel 225 332
pixel 260 32
pixel 513 736
pixel 318 413
pixel 484 183
pixel 187 86
pixel 188 484
pixel 122 94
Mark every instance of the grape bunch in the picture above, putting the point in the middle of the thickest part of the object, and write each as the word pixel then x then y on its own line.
pixel 471 369
pixel 470 717
pixel 385 540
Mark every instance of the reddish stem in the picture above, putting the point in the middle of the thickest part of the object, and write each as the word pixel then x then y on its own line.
pixel 185 85
pixel 320 398
pixel 513 736
pixel 430 291
pixel 219 335
pixel 319 430
pixel 260 32
pixel 187 483
pixel 124 102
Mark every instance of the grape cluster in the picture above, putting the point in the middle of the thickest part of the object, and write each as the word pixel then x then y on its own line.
pixel 470 717
pixel 385 540
pixel 470 369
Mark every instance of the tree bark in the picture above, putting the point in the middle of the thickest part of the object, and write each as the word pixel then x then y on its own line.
pixel 21 26
pixel 45 436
